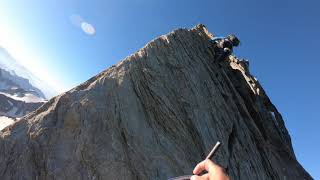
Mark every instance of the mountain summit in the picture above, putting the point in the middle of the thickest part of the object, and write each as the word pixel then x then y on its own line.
pixel 155 115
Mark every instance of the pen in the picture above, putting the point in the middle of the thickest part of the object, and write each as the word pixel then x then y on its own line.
pixel 187 177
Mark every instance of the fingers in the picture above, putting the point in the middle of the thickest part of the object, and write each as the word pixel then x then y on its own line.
pixel 203 177
pixel 204 165
pixel 214 171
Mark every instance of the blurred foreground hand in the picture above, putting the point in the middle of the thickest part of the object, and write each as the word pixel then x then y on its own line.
pixel 215 172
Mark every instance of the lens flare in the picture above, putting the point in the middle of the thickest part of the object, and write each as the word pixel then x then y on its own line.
pixel 86 27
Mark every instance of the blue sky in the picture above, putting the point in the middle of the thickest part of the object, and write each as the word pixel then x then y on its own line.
pixel 279 37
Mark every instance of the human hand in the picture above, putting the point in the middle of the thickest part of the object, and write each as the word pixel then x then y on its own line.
pixel 215 172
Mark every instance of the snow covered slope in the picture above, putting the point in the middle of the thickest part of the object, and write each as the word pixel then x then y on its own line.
pixel 5 121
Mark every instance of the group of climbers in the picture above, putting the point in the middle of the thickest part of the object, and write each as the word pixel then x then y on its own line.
pixel 223 46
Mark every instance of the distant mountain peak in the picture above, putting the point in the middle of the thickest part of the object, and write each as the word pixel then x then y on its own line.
pixel 8 63
pixel 20 91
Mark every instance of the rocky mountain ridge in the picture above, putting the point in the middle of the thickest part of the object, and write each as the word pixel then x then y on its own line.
pixel 155 115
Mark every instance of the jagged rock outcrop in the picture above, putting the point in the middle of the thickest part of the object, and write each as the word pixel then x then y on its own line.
pixel 155 115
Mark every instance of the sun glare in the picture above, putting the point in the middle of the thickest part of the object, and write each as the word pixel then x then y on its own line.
pixel 21 51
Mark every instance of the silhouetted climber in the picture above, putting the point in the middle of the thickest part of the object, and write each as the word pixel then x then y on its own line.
pixel 223 46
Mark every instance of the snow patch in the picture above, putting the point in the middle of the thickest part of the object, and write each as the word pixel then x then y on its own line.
pixel 5 121
pixel 28 98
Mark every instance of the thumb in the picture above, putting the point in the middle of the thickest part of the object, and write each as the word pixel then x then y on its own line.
pixel 203 177
pixel 195 177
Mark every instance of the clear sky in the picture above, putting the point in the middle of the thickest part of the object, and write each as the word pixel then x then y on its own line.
pixel 65 42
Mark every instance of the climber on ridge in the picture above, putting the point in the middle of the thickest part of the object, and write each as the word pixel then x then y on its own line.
pixel 223 46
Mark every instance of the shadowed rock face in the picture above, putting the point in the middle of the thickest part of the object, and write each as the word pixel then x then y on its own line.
pixel 155 115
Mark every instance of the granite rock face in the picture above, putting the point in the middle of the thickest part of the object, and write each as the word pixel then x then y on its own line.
pixel 155 115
